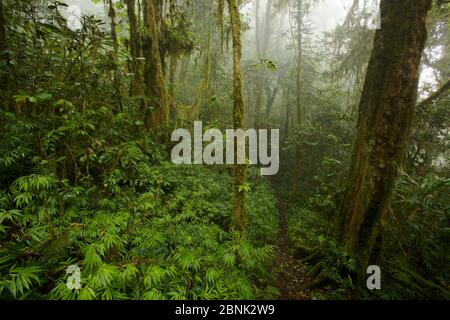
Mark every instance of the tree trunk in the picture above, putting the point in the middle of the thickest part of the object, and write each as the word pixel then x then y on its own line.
pixel 299 80
pixel 259 84
pixel 3 47
pixel 386 113
pixel 2 41
pixel 239 211
pixel 272 95
pixel 153 72
pixel 182 76
pixel 262 44
pixel 135 51
pixel 299 83
pixel 115 56
pixel 5 82
pixel 172 73
pixel 286 96
pixel 2 33
pixel 259 79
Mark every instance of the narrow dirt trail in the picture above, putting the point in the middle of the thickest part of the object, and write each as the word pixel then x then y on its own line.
pixel 292 279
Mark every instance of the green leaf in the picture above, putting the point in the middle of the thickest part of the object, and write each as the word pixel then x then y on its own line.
pixel 21 98
pixel 244 188
pixel 44 96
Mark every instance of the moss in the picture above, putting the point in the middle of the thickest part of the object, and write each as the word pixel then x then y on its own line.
pixel 386 114
pixel 239 210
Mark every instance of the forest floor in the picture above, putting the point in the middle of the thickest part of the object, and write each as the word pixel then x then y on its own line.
pixel 292 279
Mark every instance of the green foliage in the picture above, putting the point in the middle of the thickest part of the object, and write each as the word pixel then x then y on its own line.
pixel 263 220
pixel 306 227
pixel 139 230
pixel 417 231
pixel 322 145
pixel 336 266
pixel 83 182
pixel 265 64
pixel 329 262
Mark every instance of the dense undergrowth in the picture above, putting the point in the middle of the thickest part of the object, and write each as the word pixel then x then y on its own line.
pixel 138 226
pixel 86 181
pixel 416 234
pixel 83 181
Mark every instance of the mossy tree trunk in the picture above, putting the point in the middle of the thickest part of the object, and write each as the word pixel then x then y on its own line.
pixel 299 88
pixel 259 77
pixel 115 56
pixel 240 170
pixel 3 47
pixel 263 32
pixel 6 85
pixel 153 70
pixel 386 113
pixel 2 30
pixel 298 80
pixel 172 73
pixel 271 96
pixel 183 73
pixel 137 88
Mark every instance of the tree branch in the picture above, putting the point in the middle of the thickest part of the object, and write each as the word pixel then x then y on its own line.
pixel 433 97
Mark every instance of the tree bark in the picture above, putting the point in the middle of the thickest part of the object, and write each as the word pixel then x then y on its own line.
pixel 240 170
pixel 172 72
pixel 262 44
pixel 271 96
pixel 299 84
pixel 386 113
pixel 3 47
pixel 2 30
pixel 286 95
pixel 259 78
pixel 299 80
pixel 115 57
pixel 153 71
pixel 182 76
pixel 5 82
pixel 135 51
